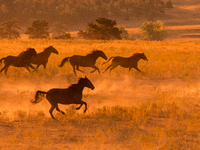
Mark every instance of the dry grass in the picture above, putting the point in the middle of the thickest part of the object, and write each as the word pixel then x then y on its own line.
pixel 155 109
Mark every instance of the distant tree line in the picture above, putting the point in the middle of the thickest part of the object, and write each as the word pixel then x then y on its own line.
pixel 71 12
pixel 103 29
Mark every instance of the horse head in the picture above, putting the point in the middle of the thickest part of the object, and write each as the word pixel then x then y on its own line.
pixel 86 82
pixel 102 54
pixel 30 52
pixel 139 56
pixel 143 57
pixel 51 49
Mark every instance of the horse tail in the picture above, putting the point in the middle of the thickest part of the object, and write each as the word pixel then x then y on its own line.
pixel 63 61
pixel 107 60
pixel 37 99
pixel 2 59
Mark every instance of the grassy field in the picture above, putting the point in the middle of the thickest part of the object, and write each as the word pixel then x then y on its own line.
pixel 155 109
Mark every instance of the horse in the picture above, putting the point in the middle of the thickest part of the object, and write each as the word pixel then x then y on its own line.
pixel 42 57
pixel 126 62
pixel 70 95
pixel 85 61
pixel 22 60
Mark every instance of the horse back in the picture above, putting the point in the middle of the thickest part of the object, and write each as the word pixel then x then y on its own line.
pixel 41 58
pixel 9 60
pixel 125 62
pixel 63 96
pixel 81 60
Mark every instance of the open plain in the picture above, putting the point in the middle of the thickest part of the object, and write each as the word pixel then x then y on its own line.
pixel 155 109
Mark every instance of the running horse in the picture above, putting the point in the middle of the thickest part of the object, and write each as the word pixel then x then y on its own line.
pixel 42 57
pixel 70 95
pixel 85 61
pixel 22 60
pixel 126 62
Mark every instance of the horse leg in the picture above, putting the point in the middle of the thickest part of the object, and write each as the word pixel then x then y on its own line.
pixel 82 102
pixel 137 69
pixel 44 65
pixel 6 70
pixel 29 65
pixel 28 69
pixel 77 68
pixel 113 67
pixel 74 70
pixel 37 66
pixel 95 68
pixel 3 69
pixel 107 68
pixel 59 109
pixel 79 107
pixel 51 110
pixel 85 106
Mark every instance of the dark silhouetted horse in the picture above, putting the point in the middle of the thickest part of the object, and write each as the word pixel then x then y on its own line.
pixel 42 58
pixel 22 60
pixel 70 95
pixel 126 62
pixel 85 61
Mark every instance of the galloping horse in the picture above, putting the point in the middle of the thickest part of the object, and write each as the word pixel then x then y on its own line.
pixel 22 60
pixel 42 58
pixel 85 61
pixel 126 62
pixel 70 95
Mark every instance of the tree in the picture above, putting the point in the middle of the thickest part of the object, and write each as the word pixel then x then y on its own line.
pixel 38 29
pixel 58 29
pixel 9 29
pixel 153 30
pixel 104 29
pixel 169 4
pixel 124 33
pixel 152 7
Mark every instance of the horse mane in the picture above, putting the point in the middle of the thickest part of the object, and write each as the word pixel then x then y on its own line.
pixel 74 85
pixel 137 53
pixel 24 52
pixel 48 48
pixel 93 52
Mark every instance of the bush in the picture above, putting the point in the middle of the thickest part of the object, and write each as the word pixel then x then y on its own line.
pixel 9 29
pixel 63 36
pixel 38 29
pixel 153 30
pixel 104 29
pixel 169 4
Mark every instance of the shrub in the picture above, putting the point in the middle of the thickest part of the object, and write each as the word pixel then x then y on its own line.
pixel 104 29
pixel 169 4
pixel 63 36
pixel 153 30
pixel 38 29
pixel 9 29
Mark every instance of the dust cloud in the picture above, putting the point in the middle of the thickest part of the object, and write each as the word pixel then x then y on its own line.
pixel 110 90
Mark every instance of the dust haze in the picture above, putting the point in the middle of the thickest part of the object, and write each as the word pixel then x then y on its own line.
pixel 110 90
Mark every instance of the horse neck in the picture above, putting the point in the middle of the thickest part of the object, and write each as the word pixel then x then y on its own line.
pixel 93 56
pixel 136 58
pixel 80 86
pixel 46 53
